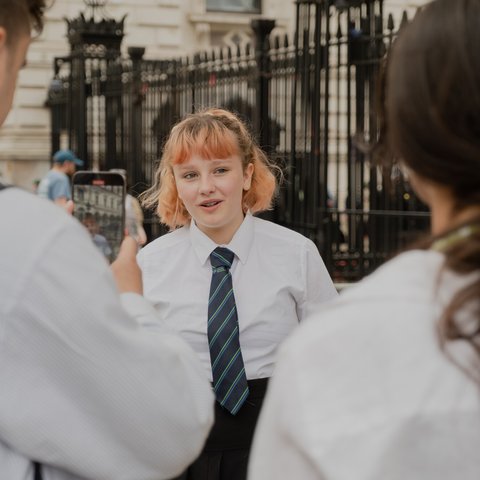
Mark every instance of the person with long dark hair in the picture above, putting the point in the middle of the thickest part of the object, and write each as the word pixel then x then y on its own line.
pixel 386 386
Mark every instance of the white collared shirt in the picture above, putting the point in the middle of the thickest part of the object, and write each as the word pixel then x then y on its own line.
pixel 278 279
pixel 367 393
pixel 85 387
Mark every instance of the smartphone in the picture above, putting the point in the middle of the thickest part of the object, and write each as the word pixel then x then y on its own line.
pixel 99 199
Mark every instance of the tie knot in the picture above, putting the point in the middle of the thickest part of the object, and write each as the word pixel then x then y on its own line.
pixel 221 257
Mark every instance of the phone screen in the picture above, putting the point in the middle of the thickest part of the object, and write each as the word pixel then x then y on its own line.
pixel 99 199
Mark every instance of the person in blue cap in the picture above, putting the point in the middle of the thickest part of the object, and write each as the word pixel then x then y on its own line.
pixel 55 185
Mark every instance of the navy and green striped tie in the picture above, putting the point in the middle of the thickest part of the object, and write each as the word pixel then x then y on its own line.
pixel 229 379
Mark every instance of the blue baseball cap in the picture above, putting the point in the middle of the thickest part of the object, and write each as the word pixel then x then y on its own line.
pixel 67 156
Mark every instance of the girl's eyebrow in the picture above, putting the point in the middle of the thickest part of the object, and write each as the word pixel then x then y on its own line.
pixel 216 161
pixel 221 160
pixel 184 166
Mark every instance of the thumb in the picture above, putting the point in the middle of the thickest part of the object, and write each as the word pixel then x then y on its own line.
pixel 125 269
pixel 128 248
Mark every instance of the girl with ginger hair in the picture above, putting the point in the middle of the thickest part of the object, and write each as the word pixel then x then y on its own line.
pixel 232 285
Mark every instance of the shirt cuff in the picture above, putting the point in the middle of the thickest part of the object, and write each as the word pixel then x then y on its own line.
pixel 140 309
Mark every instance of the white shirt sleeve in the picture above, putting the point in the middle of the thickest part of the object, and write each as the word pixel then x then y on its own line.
pixel 85 387
pixel 277 451
pixel 319 287
pixel 364 392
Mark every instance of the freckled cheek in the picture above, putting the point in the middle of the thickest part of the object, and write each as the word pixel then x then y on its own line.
pixel 187 193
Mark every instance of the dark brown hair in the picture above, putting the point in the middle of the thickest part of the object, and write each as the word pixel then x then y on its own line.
pixel 430 120
pixel 21 16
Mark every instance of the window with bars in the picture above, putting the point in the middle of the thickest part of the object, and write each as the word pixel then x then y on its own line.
pixel 237 6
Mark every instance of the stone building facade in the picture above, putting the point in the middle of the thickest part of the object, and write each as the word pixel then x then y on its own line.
pixel 167 28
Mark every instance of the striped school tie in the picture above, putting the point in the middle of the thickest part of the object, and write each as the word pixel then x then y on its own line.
pixel 229 379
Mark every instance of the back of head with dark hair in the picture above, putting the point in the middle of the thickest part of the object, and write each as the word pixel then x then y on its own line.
pixel 433 96
pixel 21 16
pixel 431 122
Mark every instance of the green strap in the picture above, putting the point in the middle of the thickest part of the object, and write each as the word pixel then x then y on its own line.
pixel 457 236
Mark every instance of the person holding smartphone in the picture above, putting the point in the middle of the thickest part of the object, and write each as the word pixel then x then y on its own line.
pixel 231 284
pixel 92 386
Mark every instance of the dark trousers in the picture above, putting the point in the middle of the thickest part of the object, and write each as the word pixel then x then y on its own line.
pixel 226 451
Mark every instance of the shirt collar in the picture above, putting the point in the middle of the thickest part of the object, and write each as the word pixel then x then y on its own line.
pixel 240 244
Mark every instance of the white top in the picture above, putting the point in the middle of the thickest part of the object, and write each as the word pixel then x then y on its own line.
pixel 278 279
pixel 84 387
pixel 364 392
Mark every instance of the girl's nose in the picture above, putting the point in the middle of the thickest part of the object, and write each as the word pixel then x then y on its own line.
pixel 207 185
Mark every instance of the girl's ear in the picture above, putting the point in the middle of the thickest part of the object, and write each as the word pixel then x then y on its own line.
pixel 247 176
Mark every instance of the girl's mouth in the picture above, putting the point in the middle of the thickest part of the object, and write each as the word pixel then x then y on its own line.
pixel 211 203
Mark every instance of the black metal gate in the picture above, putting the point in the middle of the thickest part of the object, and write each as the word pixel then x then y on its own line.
pixel 310 102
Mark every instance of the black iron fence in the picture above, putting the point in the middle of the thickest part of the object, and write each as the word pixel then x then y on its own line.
pixel 310 102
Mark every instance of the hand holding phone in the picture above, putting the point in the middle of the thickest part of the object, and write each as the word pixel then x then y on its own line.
pixel 99 199
pixel 125 269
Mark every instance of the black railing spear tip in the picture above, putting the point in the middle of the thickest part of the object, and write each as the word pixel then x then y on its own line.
pixel 390 23
pixel 404 20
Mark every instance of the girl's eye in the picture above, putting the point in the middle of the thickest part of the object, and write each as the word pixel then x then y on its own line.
pixel 189 175
pixel 221 170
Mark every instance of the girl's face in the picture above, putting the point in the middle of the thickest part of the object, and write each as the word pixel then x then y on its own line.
pixel 212 192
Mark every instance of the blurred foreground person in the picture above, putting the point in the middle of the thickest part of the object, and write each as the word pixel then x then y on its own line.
pixel 385 385
pixel 87 390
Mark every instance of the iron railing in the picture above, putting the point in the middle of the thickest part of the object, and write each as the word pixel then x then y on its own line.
pixel 309 101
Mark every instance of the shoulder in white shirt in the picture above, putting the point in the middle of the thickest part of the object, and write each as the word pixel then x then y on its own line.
pixel 367 393
pixel 86 389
